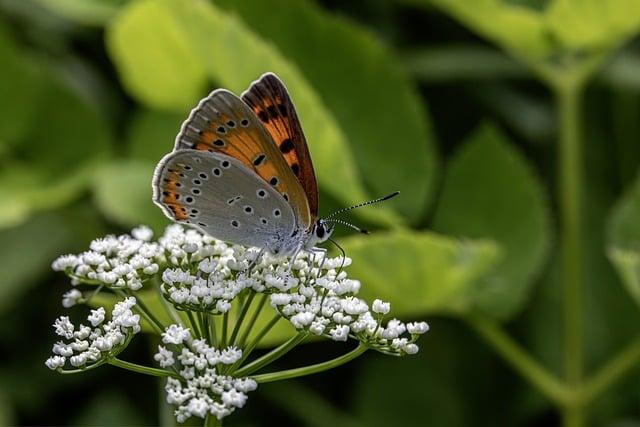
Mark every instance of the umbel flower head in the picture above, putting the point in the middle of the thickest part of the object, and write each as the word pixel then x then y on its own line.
pixel 205 354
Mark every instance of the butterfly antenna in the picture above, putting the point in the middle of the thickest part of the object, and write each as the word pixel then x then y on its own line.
pixel 344 255
pixel 359 205
pixel 347 224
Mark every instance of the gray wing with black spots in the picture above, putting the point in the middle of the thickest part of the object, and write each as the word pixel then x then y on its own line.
pixel 222 197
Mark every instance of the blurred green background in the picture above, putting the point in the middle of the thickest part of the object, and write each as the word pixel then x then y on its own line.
pixel 510 127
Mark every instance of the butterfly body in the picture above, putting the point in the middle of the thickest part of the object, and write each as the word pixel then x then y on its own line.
pixel 241 172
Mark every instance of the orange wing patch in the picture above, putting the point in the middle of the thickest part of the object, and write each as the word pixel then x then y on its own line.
pixel 170 196
pixel 223 123
pixel 269 100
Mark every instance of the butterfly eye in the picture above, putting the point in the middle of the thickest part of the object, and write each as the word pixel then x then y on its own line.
pixel 244 122
pixel 276 212
pixel 218 142
pixel 231 124
pixel 261 193
pixel 217 172
pixel 203 175
pixel 225 164
pixel 235 224
pixel 274 181
pixel 248 209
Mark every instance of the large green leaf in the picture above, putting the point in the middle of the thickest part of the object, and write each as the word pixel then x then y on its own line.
pixel 513 26
pixel 537 32
pixel 86 12
pixel 362 85
pixel 169 39
pixel 593 24
pixel 624 240
pixel 490 192
pixel 419 272
pixel 123 194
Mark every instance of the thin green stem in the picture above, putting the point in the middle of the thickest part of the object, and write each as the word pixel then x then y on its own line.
pixel 194 324
pixel 245 308
pixel 139 368
pixel 252 321
pixel 212 421
pixel 225 327
pixel 613 370
pixel 312 369
pixel 570 196
pixel 212 330
pixel 247 351
pixel 272 356
pixel 204 322
pixel 519 358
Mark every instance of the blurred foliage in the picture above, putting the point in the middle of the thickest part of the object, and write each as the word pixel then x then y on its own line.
pixel 447 101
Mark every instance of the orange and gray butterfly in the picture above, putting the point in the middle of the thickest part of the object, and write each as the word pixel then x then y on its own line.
pixel 270 101
pixel 223 123
pixel 222 197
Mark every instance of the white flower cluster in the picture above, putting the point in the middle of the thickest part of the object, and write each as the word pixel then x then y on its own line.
pixel 116 262
pixel 85 345
pixel 200 388
pixel 324 303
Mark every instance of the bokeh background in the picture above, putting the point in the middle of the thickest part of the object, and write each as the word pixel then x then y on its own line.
pixel 465 106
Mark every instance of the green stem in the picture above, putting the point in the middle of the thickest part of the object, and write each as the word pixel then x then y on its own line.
pixel 312 369
pixel 519 358
pixel 225 327
pixel 247 351
pixel 252 321
pixel 194 324
pixel 139 368
pixel 212 330
pixel 570 196
pixel 612 371
pixel 245 308
pixel 212 421
pixel 272 356
pixel 206 329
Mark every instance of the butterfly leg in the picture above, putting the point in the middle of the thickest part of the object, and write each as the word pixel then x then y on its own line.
pixel 253 263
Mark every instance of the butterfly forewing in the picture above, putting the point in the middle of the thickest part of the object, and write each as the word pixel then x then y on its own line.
pixel 221 196
pixel 269 100
pixel 223 123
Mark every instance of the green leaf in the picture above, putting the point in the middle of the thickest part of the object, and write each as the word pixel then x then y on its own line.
pixel 623 239
pixel 373 101
pixel 551 29
pixel 593 24
pixel 218 45
pixel 151 134
pixel 156 60
pixel 123 194
pixel 419 272
pixel 86 12
pixel 490 192
pixel 447 64
pixel 513 26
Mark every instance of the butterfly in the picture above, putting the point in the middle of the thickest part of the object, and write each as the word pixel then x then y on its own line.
pixel 241 172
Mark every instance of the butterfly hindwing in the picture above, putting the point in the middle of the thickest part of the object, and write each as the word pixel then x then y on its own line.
pixel 270 101
pixel 223 123
pixel 221 196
